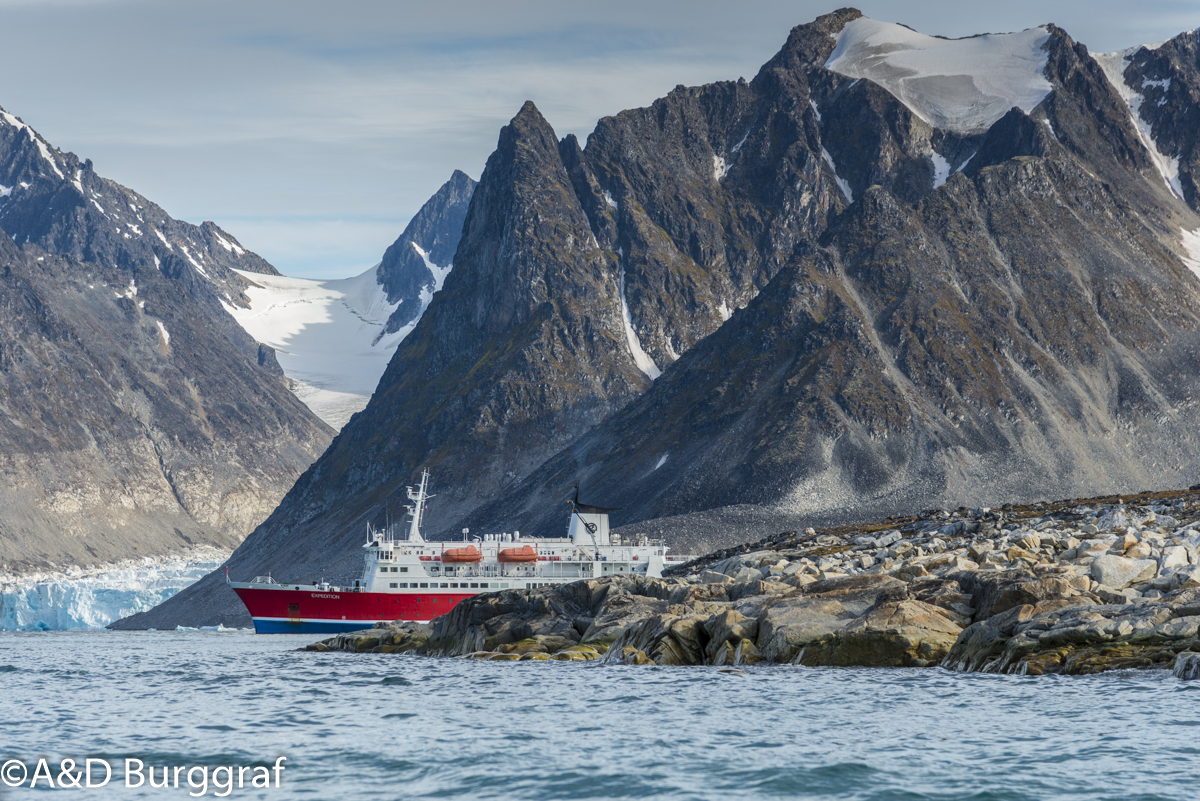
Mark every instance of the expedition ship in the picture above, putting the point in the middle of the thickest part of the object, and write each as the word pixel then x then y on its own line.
pixel 413 579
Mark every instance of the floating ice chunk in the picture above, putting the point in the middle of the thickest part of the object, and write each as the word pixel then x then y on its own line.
pixel 964 85
pixel 845 187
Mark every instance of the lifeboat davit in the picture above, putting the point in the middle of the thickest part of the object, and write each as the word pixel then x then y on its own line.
pixel 461 555
pixel 522 554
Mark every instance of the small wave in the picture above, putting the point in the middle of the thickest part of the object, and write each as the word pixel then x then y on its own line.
pixel 397 680
pixel 9 668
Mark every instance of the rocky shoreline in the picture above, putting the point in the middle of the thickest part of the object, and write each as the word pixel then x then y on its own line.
pixel 1073 587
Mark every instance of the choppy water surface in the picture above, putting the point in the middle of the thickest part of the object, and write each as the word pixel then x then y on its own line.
pixel 375 726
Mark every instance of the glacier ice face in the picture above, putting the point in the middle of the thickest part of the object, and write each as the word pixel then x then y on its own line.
pixel 79 600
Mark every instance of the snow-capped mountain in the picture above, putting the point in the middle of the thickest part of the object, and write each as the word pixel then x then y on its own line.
pixel 137 418
pixel 327 335
pixel 334 338
pixel 890 272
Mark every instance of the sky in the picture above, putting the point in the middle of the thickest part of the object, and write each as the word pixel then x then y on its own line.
pixel 312 131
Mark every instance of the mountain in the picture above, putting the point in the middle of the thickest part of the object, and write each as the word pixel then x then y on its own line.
pixel 417 263
pixel 137 418
pixel 889 272
pixel 334 338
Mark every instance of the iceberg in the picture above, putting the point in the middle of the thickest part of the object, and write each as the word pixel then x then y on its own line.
pixel 79 599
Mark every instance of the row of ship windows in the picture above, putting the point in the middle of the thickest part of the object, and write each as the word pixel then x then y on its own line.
pixel 454 585
pixel 401 570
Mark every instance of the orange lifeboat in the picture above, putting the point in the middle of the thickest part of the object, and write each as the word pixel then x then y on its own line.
pixel 461 555
pixel 522 554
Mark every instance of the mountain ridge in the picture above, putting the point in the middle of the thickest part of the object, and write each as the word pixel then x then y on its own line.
pixel 850 311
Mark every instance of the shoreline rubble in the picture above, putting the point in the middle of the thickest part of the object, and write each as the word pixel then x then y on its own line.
pixel 1073 587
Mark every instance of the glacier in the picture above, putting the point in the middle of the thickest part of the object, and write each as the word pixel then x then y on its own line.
pixel 78 599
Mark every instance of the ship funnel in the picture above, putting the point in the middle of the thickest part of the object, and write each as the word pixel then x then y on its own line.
pixel 589 524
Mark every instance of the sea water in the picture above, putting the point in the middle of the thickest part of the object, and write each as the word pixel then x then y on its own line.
pixel 367 726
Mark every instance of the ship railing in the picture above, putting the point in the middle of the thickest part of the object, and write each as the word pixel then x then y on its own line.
pixel 263 580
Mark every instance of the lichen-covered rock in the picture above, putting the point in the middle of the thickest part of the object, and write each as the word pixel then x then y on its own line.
pixel 892 634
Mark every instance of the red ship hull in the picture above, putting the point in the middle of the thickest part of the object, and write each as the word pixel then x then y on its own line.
pixel 295 611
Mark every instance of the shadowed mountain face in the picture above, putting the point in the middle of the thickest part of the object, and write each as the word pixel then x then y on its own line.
pixel 136 417
pixel 417 263
pixel 796 295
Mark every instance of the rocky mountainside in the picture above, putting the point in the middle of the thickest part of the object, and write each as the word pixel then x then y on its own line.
pixel 889 270
pixel 417 263
pixel 137 418
pixel 1161 83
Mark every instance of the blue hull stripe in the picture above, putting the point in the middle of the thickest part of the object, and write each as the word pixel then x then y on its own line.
pixel 264 626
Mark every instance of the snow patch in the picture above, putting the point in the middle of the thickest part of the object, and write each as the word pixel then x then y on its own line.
pixel 157 263
pixel 5 191
pixel 195 263
pixel 964 85
pixel 134 228
pixel 662 460
pixel 80 599
pixel 326 335
pixel 42 147
pixel 671 351
pixel 723 310
pixel 941 169
pixel 608 198
pixel 159 234
pixel 439 273
pixel 719 167
pixel 78 183
pixel 845 187
pixel 97 205
pixel 745 136
pixel 162 329
pixel 225 243
pixel 640 357
pixel 1114 66
pixel 815 110
pixel 130 292
pixel 1191 243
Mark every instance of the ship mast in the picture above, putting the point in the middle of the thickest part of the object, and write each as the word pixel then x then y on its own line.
pixel 417 508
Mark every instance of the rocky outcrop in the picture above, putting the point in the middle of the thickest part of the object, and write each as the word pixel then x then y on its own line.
pixel 1006 591
pixel 416 264
pixel 136 417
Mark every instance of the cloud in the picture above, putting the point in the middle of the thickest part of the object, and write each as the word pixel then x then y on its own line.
pixel 347 116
